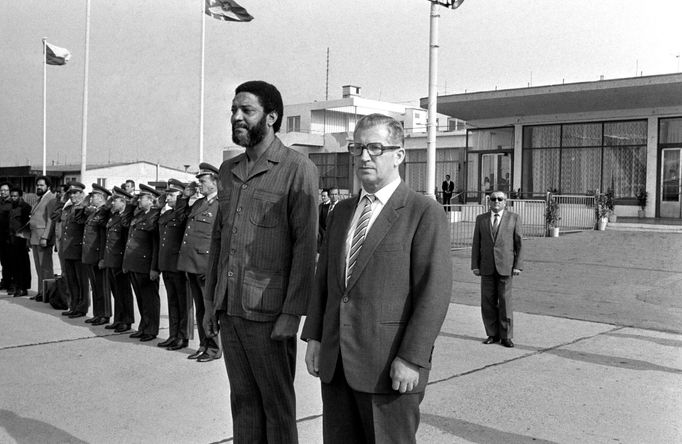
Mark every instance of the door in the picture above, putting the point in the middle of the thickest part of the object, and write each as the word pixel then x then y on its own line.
pixel 496 172
pixel 671 184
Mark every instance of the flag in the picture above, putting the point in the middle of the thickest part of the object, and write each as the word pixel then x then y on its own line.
pixel 54 55
pixel 228 10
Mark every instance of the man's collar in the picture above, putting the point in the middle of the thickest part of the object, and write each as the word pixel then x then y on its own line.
pixel 384 193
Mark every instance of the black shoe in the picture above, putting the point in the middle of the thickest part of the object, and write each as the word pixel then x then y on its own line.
pixel 92 320
pixel 147 338
pixel 39 298
pixel 197 353
pixel 67 313
pixel 101 321
pixel 491 340
pixel 76 314
pixel 121 328
pixel 507 343
pixel 167 343
pixel 19 292
pixel 136 335
pixel 209 355
pixel 179 344
pixel 112 326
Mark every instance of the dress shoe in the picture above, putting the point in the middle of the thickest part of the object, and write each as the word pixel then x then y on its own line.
pixel 197 353
pixel 121 328
pixel 209 355
pixel 67 313
pixel 179 344
pixel 33 298
pixel 507 343
pixel 101 321
pixel 92 320
pixel 39 298
pixel 491 340
pixel 19 293
pixel 112 326
pixel 168 342
pixel 136 335
pixel 76 314
pixel 147 338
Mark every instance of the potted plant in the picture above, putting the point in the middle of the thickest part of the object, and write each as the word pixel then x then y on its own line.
pixel 602 211
pixel 610 204
pixel 641 201
pixel 552 216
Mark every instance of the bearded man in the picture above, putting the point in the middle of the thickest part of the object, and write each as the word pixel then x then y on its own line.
pixel 42 234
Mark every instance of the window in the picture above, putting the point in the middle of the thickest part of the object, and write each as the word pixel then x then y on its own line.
pixel 334 169
pixel 293 124
pixel 447 162
pixel 491 139
pixel 102 181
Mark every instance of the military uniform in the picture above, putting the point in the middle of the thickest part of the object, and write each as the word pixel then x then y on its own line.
pixel 94 240
pixel 73 224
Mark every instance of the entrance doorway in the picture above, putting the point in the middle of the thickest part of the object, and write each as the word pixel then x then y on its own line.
pixel 488 172
pixel 670 204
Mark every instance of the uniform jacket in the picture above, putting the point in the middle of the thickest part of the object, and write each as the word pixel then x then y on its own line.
pixel 499 254
pixel 396 298
pixel 171 232
pixel 73 224
pixel 41 222
pixel 95 234
pixel 141 248
pixel 196 241
pixel 117 236
pixel 264 237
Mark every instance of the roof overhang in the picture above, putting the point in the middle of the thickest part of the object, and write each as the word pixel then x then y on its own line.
pixel 619 94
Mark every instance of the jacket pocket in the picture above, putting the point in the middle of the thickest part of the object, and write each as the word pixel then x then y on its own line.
pixel 262 292
pixel 265 209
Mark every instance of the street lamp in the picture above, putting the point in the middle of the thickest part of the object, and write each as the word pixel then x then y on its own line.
pixel 433 93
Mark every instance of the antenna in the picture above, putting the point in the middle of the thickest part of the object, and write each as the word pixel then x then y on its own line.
pixel 326 84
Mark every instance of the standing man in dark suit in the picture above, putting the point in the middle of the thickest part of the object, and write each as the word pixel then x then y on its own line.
pixel 5 207
pixel 42 234
pixel 260 266
pixel 94 244
pixel 73 224
pixel 141 264
pixel 193 257
pixel 448 188
pixel 496 258
pixel 383 285
pixel 20 264
pixel 171 232
pixel 322 212
pixel 119 283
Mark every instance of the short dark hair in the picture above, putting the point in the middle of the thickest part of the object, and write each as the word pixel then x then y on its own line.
pixel 46 179
pixel 131 181
pixel 9 185
pixel 269 97
pixel 396 134
pixel 16 190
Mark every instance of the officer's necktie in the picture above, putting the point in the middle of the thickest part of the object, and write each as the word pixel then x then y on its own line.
pixel 360 233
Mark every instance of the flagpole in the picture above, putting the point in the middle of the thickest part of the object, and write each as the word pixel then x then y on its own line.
pixel 84 137
pixel 44 106
pixel 201 84
pixel 433 97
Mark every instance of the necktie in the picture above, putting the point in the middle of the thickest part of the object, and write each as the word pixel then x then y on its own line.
pixel 496 224
pixel 360 233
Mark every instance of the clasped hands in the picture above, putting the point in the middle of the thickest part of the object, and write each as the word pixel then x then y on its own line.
pixel 286 326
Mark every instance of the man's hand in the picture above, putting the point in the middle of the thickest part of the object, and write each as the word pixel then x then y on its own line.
pixel 516 271
pixel 405 376
pixel 100 264
pixel 211 326
pixel 43 243
pixel 286 326
pixel 312 357
pixel 476 272
pixel 154 275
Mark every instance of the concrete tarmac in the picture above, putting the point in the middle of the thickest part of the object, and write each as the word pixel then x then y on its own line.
pixel 566 381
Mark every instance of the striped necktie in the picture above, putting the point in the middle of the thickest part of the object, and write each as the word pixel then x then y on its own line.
pixel 496 224
pixel 360 233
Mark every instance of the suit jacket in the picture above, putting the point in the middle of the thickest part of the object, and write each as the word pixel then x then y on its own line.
pixel 141 248
pixel 73 224
pixel 501 253
pixel 448 187
pixel 171 232
pixel 41 222
pixel 95 235
pixel 396 299
pixel 117 236
pixel 196 243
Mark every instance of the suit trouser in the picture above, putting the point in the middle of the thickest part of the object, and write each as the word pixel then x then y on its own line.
pixel 261 373
pixel 446 202
pixel 42 260
pixel 124 311
pixel 19 263
pixel 352 416
pixel 178 304
pixel 148 302
pixel 496 305
pixel 5 259
pixel 101 301
pixel 77 281
pixel 196 287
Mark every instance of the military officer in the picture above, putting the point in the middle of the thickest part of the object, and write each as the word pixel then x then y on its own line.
pixel 94 240
pixel 194 255
pixel 118 282
pixel 73 224
pixel 140 263
pixel 171 230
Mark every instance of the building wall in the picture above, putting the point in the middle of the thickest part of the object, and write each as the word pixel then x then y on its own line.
pixel 140 172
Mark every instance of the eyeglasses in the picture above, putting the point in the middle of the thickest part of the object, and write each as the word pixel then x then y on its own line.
pixel 497 199
pixel 374 149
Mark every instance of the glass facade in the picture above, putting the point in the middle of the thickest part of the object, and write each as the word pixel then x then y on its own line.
pixel 334 169
pixel 448 161
pixel 585 157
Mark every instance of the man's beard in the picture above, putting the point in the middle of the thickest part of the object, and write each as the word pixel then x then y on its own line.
pixel 253 136
pixel 40 191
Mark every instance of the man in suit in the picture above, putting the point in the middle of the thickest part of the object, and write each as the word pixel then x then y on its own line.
pixel 119 283
pixel 73 224
pixel 382 289
pixel 323 210
pixel 94 243
pixel 496 258
pixel 5 207
pixel 448 188
pixel 140 263
pixel 171 232
pixel 20 264
pixel 42 234
pixel 260 266
pixel 193 257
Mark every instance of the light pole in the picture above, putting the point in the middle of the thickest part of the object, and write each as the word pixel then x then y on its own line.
pixel 431 126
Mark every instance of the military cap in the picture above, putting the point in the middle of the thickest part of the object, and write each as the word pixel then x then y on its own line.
pixel 100 189
pixel 120 192
pixel 174 185
pixel 75 186
pixel 207 168
pixel 149 191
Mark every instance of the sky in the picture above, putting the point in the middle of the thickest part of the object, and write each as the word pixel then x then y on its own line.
pixel 144 70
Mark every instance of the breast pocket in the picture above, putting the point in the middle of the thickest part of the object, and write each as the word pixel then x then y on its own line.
pixel 265 209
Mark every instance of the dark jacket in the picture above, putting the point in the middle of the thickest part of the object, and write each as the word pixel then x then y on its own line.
pixel 141 248
pixel 19 216
pixel 501 253
pixel 94 234
pixel 73 224
pixel 171 232
pixel 193 257
pixel 117 236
